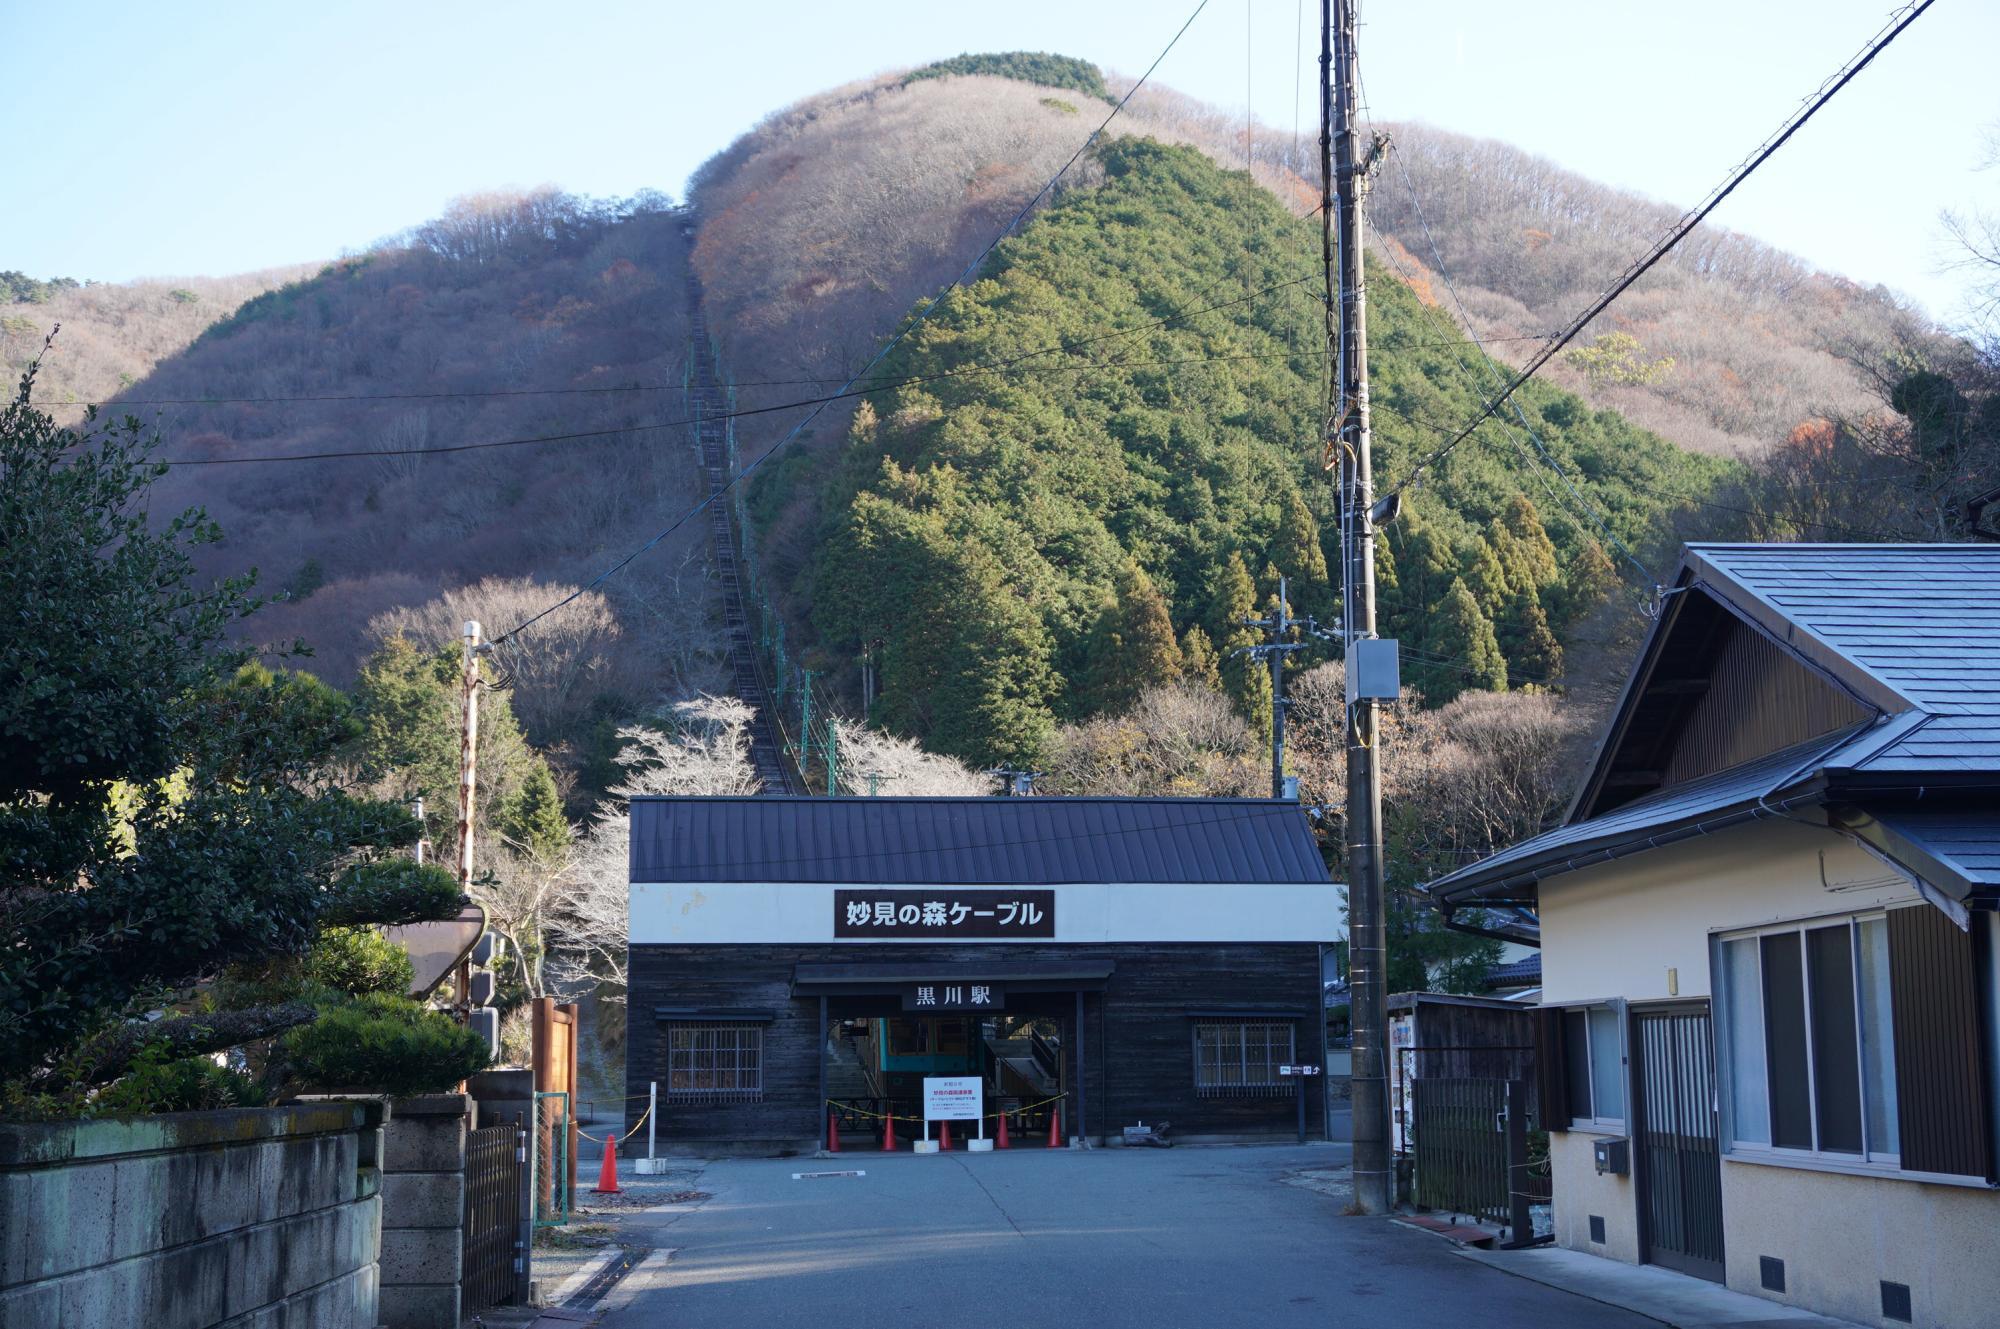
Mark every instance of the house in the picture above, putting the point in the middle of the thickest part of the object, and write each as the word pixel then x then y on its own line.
pixel 801 964
pixel 1768 1010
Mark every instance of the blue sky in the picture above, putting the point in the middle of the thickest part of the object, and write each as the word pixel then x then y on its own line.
pixel 149 139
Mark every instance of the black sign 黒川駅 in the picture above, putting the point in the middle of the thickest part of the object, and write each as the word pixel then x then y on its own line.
pixel 952 995
pixel 993 915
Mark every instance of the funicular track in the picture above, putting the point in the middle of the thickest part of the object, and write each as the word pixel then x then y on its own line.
pixel 709 402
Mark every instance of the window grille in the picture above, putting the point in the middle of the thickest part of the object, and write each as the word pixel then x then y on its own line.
pixel 715 1063
pixel 1240 1059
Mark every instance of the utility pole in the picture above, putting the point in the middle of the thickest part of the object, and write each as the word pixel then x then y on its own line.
pixel 1278 628
pixel 422 844
pixel 1343 183
pixel 468 778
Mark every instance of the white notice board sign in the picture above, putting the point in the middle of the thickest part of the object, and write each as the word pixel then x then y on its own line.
pixel 953 1097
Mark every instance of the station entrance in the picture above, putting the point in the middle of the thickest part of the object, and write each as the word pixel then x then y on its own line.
pixel 877 1050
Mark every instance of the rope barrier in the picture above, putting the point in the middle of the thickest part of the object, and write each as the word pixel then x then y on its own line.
pixel 985 1116
pixel 627 1135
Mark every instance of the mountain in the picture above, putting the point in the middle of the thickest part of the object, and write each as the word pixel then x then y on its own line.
pixel 113 333
pixel 1116 501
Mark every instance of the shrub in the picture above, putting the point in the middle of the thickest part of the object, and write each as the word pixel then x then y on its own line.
pixel 383 1044
pixel 189 1084
pixel 360 960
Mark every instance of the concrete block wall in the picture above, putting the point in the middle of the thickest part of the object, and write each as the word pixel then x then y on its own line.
pixel 256 1218
pixel 423 1210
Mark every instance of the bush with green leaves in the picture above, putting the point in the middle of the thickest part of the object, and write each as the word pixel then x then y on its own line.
pixel 382 1044
pixel 359 960
pixel 185 1084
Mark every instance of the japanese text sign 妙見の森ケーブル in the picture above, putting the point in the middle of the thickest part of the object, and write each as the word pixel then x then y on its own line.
pixel 944 913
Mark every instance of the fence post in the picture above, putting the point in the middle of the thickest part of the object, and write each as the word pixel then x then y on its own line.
pixel 1520 1222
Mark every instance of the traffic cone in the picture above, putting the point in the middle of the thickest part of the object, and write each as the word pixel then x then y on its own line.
pixel 944 1137
pixel 1001 1142
pixel 607 1176
pixel 888 1133
pixel 1055 1127
pixel 832 1133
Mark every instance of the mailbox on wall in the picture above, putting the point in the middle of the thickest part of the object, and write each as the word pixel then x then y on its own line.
pixel 1614 1156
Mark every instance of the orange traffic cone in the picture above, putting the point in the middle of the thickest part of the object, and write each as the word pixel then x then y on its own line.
pixel 888 1133
pixel 944 1137
pixel 1001 1143
pixel 1055 1127
pixel 832 1133
pixel 607 1176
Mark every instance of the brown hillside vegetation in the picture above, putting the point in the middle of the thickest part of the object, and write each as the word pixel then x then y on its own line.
pixel 114 333
pixel 512 316
pixel 1758 341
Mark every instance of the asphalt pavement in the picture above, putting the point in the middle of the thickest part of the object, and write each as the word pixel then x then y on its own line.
pixel 1158 1239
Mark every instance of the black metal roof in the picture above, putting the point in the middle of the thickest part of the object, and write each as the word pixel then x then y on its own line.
pixel 973 841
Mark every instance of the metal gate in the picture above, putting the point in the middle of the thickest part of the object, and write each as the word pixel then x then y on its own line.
pixel 495 1160
pixel 552 1166
pixel 1679 1161
pixel 1460 1148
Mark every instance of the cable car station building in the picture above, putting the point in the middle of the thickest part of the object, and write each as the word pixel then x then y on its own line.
pixel 1112 960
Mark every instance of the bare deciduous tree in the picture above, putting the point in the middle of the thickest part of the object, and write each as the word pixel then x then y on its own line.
pixel 704 748
pixel 1179 740
pixel 555 670
pixel 872 762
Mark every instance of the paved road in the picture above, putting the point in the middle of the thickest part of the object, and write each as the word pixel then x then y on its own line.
pixel 1110 1239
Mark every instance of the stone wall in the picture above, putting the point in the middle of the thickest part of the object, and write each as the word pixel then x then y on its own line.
pixel 258 1218
pixel 423 1210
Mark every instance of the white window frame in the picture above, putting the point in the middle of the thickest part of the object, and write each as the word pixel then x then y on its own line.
pixel 1620 1014
pixel 1873 1162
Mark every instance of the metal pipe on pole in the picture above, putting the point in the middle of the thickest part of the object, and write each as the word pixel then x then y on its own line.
pixel 1343 185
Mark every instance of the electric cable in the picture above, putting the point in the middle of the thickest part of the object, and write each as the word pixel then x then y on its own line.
pixel 1898 22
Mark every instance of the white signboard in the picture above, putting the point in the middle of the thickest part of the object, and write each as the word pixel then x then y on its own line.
pixel 953 1097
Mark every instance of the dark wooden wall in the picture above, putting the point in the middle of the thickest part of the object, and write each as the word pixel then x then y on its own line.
pixel 1139 1057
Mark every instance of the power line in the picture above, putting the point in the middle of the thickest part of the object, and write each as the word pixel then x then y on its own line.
pixel 888 346
pixel 1465 317
pixel 1688 221
pixel 485 445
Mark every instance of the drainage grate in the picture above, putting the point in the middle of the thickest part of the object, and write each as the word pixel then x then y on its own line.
pixel 1895 1301
pixel 610 1276
pixel 1771 1273
pixel 815 1176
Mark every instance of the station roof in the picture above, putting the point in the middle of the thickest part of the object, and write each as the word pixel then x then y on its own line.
pixel 1036 841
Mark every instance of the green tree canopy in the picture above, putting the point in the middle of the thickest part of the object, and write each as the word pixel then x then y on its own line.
pixel 167 810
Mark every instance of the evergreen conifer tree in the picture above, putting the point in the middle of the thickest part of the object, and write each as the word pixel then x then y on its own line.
pixel 1199 662
pixel 1132 647
pixel 1463 635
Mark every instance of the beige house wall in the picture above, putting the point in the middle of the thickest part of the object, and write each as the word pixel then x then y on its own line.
pixel 1638 929
pixel 1840 1236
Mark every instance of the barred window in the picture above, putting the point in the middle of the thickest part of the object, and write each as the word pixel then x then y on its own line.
pixel 715 1063
pixel 1240 1059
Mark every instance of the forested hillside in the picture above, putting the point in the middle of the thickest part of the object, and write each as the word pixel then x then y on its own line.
pixel 1092 520
pixel 1040 540
pixel 512 316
